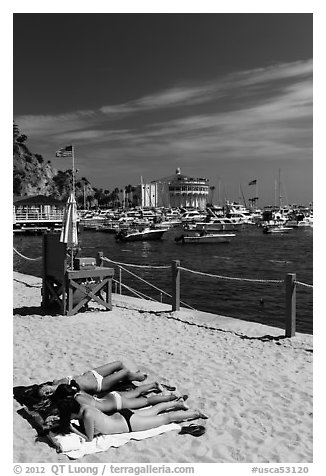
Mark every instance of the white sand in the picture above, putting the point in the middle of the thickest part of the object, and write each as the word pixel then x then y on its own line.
pixel 257 391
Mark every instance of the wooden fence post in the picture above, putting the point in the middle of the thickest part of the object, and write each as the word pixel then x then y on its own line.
pixel 175 285
pixel 120 281
pixel 99 257
pixel 290 304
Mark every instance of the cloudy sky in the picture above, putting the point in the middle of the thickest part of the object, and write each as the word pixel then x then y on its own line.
pixel 222 96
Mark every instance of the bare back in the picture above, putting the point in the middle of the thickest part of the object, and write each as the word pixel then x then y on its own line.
pixel 96 422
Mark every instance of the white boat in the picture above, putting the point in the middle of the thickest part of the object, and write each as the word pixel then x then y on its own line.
pixel 193 216
pixel 276 229
pixel 146 234
pixel 205 238
pixel 306 222
pixel 217 224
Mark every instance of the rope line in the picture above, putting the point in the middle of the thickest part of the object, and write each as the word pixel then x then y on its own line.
pixel 271 281
pixel 152 285
pixel 137 293
pixel 26 257
pixel 147 282
pixel 304 284
pixel 134 265
pixel 250 280
pixel 144 281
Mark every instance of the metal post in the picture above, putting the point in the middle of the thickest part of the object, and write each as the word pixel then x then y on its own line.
pixel 99 257
pixel 290 304
pixel 175 285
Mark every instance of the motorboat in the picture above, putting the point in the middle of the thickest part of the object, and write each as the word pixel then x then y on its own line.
pixel 147 234
pixel 216 225
pixel 205 238
pixel 193 216
pixel 276 229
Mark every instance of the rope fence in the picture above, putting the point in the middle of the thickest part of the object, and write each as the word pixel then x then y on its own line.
pixel 261 281
pixel 304 284
pixel 26 257
pixel 136 293
pixel 134 265
pixel 289 282
pixel 103 258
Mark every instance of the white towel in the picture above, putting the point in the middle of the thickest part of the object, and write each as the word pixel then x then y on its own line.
pixel 76 447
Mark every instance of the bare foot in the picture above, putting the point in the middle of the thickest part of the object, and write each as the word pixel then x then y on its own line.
pixel 202 415
pixel 181 404
pixel 183 397
pixel 137 376
pixel 168 387
pixel 158 387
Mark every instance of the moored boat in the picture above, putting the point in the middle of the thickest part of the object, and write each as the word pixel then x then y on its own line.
pixel 146 234
pixel 276 229
pixel 205 238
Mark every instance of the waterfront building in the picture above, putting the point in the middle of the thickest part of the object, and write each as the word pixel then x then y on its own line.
pixel 37 213
pixel 188 192
pixel 174 191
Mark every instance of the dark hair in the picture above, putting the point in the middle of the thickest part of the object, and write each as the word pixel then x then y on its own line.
pixel 30 395
pixel 64 397
pixel 65 390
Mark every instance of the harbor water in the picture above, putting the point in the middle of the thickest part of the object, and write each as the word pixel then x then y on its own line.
pixel 250 255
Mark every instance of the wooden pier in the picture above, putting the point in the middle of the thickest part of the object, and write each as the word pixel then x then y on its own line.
pixel 37 215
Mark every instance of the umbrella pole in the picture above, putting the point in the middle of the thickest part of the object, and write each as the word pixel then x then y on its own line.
pixel 73 189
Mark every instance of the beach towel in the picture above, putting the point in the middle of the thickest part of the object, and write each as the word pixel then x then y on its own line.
pixel 42 412
pixel 75 446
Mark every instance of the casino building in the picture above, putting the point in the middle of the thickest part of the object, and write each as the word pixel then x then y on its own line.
pixel 175 191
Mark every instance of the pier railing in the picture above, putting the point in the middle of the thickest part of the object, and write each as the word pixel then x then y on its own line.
pixel 37 216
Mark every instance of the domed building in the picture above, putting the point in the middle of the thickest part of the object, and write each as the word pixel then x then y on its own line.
pixel 174 191
pixel 187 191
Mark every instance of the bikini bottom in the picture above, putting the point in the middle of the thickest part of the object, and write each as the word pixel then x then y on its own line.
pixel 127 414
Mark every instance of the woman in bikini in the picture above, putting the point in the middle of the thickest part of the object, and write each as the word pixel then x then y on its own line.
pixel 94 422
pixel 100 379
pixel 115 401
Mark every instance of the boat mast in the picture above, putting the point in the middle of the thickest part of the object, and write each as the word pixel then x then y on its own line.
pixel 279 189
pixel 244 200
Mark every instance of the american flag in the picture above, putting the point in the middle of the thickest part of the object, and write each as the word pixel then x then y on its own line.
pixel 64 152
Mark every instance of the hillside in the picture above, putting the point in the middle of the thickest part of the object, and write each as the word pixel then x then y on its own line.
pixel 32 175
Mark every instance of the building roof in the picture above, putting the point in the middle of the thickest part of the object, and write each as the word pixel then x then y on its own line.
pixel 38 200
pixel 179 178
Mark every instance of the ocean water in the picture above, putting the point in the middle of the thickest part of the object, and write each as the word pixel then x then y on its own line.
pixel 251 254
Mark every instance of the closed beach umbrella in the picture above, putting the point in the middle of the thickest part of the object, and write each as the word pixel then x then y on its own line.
pixel 69 223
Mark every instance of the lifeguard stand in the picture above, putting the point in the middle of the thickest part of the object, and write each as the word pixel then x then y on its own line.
pixel 70 290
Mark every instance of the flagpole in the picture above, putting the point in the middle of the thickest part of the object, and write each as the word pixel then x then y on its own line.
pixel 73 169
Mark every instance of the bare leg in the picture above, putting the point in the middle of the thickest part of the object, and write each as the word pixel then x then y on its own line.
pixel 120 376
pixel 139 422
pixel 164 406
pixel 137 376
pixel 141 402
pixel 108 369
pixel 111 380
pixel 141 390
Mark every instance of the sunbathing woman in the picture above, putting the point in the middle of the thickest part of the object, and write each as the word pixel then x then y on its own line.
pixel 96 422
pixel 100 379
pixel 115 401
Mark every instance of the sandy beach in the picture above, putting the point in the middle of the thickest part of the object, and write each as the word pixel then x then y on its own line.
pixel 254 384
